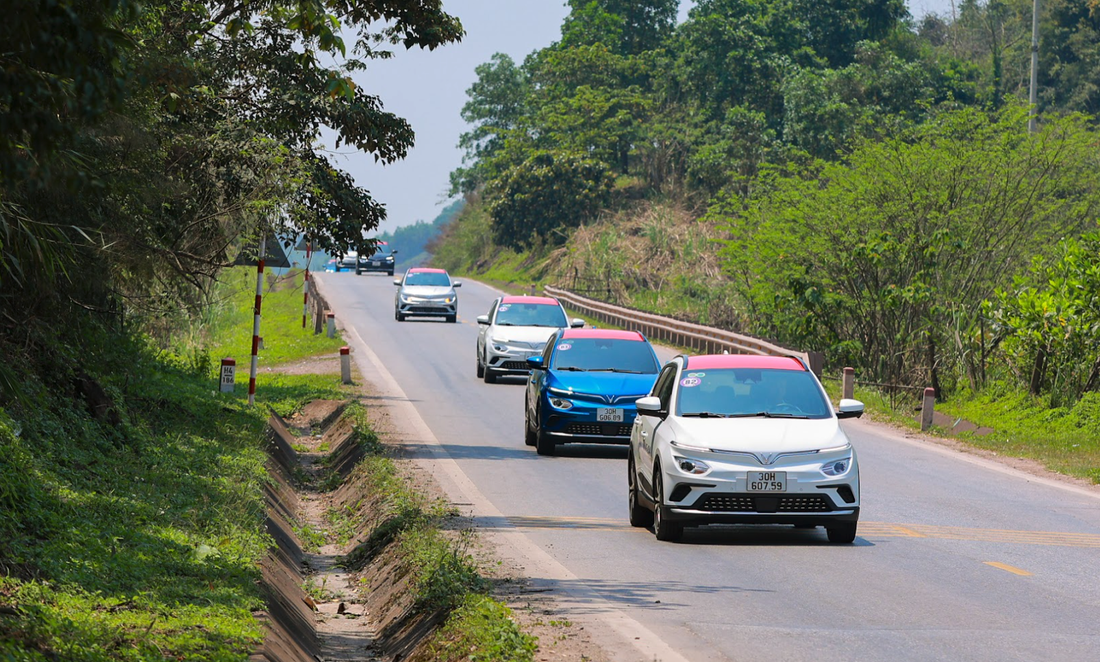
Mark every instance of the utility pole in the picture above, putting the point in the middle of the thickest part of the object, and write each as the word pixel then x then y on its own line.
pixel 1033 93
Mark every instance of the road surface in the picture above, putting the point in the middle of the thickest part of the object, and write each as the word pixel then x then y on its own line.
pixel 957 558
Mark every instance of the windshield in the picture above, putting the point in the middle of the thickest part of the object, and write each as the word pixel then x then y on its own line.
pixel 604 355
pixel 530 314
pixel 429 278
pixel 751 392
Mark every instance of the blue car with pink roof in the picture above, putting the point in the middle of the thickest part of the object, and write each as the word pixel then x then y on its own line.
pixel 583 386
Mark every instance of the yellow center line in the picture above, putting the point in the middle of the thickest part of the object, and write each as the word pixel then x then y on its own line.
pixel 1008 568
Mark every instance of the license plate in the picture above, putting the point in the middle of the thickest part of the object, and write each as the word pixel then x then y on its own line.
pixel 767 481
pixel 609 415
pixel 375 264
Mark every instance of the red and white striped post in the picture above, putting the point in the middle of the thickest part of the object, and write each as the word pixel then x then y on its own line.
pixel 305 285
pixel 256 320
pixel 345 364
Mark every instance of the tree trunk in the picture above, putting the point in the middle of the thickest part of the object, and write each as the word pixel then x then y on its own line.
pixel 1038 372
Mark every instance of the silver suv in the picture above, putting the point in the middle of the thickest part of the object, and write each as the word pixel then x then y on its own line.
pixel 515 328
pixel 426 292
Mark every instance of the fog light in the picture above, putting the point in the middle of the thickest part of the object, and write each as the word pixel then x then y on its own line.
pixel 561 403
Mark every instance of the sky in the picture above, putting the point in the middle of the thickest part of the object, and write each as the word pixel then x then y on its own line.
pixel 428 88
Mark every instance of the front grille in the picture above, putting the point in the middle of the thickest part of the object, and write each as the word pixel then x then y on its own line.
pixel 514 365
pixel 427 309
pixel 598 429
pixel 745 503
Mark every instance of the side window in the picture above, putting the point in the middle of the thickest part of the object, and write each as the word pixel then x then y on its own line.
pixel 663 387
pixel 549 350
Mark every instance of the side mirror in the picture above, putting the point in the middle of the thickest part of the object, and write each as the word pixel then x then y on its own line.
pixel 849 409
pixel 396 281
pixel 457 283
pixel 483 319
pixel 535 363
pixel 393 252
pixel 576 323
pixel 650 406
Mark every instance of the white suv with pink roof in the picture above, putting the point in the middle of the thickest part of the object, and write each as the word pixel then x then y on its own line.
pixel 742 440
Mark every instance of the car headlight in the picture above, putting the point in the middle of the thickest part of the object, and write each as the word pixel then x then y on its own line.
pixel 561 403
pixel 449 300
pixel 837 467
pixel 689 466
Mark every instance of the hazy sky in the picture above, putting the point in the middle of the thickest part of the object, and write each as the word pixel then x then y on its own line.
pixel 428 88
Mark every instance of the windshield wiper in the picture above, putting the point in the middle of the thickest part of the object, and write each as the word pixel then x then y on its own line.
pixel 765 414
pixel 505 324
pixel 570 368
pixel 707 414
pixel 630 372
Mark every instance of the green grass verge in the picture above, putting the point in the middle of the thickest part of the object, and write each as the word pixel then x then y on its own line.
pixel 141 540
pixel 444 576
pixel 482 629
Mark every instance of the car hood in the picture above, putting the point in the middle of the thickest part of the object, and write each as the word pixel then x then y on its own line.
pixel 526 334
pixel 760 435
pixel 603 383
pixel 426 291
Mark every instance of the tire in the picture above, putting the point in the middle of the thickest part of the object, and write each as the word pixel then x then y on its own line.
pixel 398 316
pixel 530 437
pixel 451 319
pixel 544 443
pixel 842 533
pixel 490 377
pixel 358 271
pixel 390 272
pixel 640 516
pixel 480 369
pixel 664 530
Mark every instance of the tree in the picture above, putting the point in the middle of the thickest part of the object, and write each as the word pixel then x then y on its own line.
pixel 628 27
pixel 885 258
pixel 498 103
pixel 534 202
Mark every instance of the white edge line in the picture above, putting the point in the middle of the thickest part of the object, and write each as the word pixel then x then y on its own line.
pixel 629 630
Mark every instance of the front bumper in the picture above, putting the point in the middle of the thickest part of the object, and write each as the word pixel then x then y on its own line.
pixel 722 496
pixel 512 361
pixel 581 425
pixel 427 308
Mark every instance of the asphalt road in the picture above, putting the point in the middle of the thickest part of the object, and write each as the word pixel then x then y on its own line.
pixel 957 558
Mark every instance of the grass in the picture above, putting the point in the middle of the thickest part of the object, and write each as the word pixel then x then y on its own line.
pixel 1064 439
pixel 483 625
pixel 141 541
pixel 280 326
pixel 444 577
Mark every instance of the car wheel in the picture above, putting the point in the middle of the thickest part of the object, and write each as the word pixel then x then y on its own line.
pixel 490 377
pixel 544 443
pixel 398 316
pixel 530 437
pixel 358 271
pixel 842 533
pixel 390 272
pixel 451 319
pixel 480 369
pixel 640 516
pixel 662 528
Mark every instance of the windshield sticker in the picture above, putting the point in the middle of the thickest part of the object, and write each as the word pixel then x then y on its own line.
pixel 690 382
pixel 565 347
pixel 502 308
pixel 700 375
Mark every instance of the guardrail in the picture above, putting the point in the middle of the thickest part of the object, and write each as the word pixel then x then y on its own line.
pixel 699 338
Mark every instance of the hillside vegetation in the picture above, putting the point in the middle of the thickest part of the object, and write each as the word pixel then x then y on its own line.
pixel 833 176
